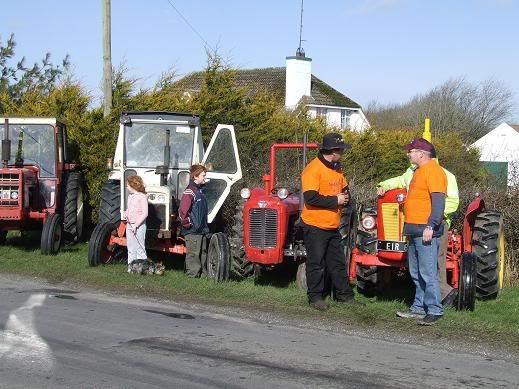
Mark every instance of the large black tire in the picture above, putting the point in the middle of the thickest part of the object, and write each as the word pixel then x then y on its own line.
pixel 52 235
pixel 110 207
pixel 73 207
pixel 488 244
pixel 467 284
pixel 218 257
pixel 99 250
pixel 367 280
pixel 240 266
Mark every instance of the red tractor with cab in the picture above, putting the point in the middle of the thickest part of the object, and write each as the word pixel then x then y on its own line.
pixel 40 189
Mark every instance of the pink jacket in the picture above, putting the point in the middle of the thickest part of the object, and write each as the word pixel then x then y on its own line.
pixel 137 211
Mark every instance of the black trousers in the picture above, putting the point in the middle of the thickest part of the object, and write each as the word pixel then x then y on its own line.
pixel 325 255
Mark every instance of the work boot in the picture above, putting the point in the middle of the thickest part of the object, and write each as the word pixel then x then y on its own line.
pixel 410 315
pixel 320 305
pixel 429 320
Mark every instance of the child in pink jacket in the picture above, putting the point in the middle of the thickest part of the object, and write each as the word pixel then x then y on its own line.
pixel 136 215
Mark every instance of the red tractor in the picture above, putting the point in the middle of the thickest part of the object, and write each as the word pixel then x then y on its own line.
pixel 39 188
pixel 265 232
pixel 475 258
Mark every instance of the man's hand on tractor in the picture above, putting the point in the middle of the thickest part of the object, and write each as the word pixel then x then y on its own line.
pixel 380 191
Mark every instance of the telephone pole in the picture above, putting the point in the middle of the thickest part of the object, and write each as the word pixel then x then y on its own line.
pixel 107 59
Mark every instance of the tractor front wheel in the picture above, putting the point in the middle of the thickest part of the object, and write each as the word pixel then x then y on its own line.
pixel 100 251
pixel 301 276
pixel 218 257
pixel 367 280
pixel 467 284
pixel 488 244
pixel 52 235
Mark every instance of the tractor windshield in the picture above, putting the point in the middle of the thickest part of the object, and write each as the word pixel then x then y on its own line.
pixel 32 144
pixel 145 144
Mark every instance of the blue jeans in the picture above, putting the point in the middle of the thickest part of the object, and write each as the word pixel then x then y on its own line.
pixel 423 266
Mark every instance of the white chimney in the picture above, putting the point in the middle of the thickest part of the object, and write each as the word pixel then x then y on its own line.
pixel 298 79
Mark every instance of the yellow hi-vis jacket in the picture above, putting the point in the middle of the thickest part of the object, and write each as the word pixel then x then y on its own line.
pixel 452 200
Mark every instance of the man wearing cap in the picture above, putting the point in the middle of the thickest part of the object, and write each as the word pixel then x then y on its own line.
pixel 325 192
pixel 423 215
pixel 452 201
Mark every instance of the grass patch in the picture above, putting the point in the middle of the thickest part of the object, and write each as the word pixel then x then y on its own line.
pixel 493 323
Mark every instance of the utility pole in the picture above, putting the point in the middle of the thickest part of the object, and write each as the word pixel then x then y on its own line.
pixel 107 58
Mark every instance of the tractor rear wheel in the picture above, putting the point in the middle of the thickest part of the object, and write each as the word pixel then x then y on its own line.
pixel 99 249
pixel 110 207
pixel 51 235
pixel 218 257
pixel 367 280
pixel 467 284
pixel 73 207
pixel 241 266
pixel 488 244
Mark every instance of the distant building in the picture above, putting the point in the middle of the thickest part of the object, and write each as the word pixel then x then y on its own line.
pixel 500 153
pixel 296 84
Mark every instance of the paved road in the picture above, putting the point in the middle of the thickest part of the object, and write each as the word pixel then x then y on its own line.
pixel 52 337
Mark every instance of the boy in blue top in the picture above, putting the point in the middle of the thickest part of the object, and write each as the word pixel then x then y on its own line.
pixel 193 213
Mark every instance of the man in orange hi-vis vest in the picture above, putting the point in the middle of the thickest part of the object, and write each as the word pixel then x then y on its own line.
pixel 325 192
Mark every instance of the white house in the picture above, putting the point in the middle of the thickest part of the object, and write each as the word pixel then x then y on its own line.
pixel 500 152
pixel 296 84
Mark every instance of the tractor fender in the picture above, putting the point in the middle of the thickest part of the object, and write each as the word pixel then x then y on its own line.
pixel 475 207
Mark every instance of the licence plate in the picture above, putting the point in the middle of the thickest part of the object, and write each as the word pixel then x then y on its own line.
pixel 391 245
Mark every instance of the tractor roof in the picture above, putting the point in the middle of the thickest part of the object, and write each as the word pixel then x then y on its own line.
pixel 162 115
pixel 34 120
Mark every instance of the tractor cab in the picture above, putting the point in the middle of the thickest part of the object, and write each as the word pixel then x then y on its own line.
pixel 160 147
pixel 35 179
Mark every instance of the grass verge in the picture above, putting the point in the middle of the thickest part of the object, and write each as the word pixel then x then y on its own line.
pixel 494 323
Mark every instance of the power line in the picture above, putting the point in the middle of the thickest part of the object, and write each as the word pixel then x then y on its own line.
pixel 206 45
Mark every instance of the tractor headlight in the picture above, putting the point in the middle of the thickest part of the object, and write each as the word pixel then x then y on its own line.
pixel 151 196
pixel 161 198
pixel 368 222
pixel 14 195
pixel 400 197
pixel 245 193
pixel 282 193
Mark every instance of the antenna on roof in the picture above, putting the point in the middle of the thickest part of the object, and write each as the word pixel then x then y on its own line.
pixel 300 51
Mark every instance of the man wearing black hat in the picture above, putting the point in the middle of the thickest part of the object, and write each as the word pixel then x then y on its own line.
pixel 325 192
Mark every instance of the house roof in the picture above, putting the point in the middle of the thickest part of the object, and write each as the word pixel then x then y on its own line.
pixel 273 80
pixel 515 126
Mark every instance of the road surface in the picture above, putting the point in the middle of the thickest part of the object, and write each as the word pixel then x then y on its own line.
pixel 56 337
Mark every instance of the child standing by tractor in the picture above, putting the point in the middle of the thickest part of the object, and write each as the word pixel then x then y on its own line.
pixel 193 213
pixel 136 215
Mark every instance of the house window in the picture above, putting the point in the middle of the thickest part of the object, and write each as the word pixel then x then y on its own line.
pixel 321 112
pixel 346 117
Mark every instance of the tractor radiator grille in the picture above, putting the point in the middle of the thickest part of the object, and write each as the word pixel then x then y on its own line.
pixel 156 219
pixel 9 188
pixel 263 228
pixel 392 219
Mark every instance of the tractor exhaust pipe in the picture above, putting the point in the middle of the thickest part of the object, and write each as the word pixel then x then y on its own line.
pixel 6 144
pixel 302 199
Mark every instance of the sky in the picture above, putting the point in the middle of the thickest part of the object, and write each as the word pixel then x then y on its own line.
pixel 383 51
